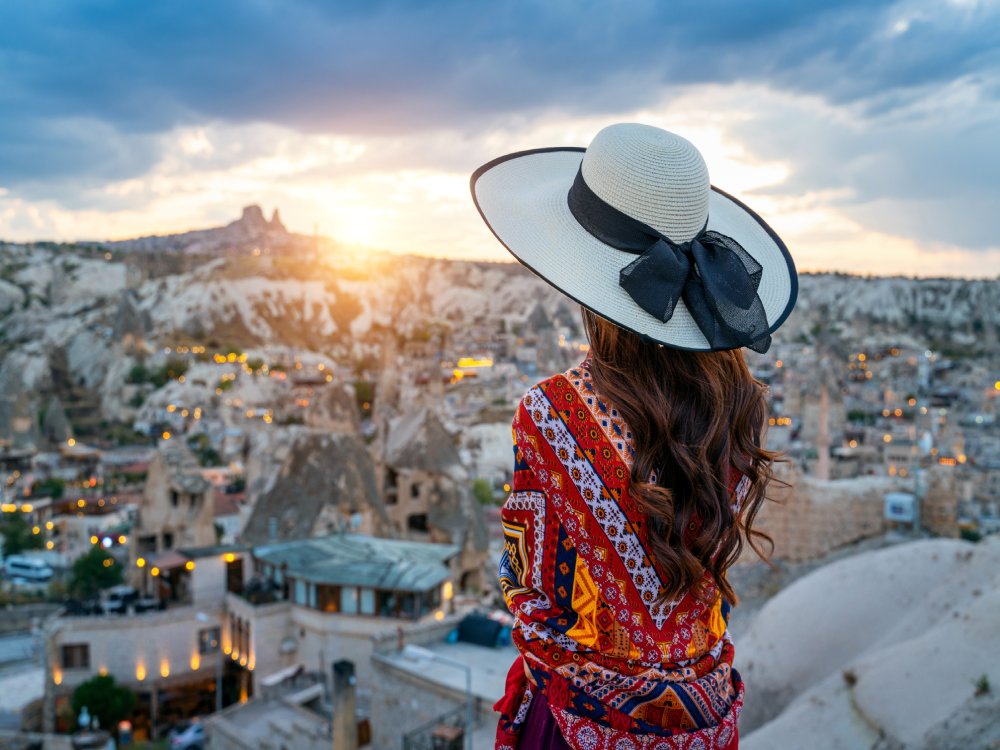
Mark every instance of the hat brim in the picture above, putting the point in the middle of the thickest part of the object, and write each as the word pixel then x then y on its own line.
pixel 522 198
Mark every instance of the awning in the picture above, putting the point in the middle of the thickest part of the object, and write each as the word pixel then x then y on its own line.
pixel 169 559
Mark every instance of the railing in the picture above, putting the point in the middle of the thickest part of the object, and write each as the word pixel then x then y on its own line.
pixel 431 737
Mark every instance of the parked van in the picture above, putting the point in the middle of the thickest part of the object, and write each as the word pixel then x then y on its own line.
pixel 27 568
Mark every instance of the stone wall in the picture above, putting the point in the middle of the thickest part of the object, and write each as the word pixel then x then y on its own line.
pixel 811 517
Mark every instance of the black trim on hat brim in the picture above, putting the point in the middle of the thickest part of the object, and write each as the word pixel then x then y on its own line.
pixel 793 276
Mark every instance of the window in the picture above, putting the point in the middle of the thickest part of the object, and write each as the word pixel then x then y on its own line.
pixel 76 656
pixel 349 600
pixel 417 522
pixel 407 605
pixel 367 601
pixel 328 598
pixel 300 592
pixel 174 498
pixel 208 640
pixel 387 603
pixel 415 491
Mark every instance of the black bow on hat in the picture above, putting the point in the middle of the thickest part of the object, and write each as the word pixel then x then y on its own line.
pixel 712 273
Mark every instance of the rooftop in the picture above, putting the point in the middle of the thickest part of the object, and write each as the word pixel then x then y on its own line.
pixel 356 560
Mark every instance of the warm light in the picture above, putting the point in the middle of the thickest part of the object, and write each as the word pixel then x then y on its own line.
pixel 8 508
pixel 853 443
pixel 923 409
pixel 189 565
pixel 195 661
pixel 448 591
pixel 229 557
pixel 50 544
pixel 93 540
pixel 506 488
pixel 154 571
pixel 252 662
pixel 439 615
pixel 885 412
pixel 861 358
pixel 107 562
pixel 171 408
pixel 898 412
pixel 779 364
pixel 474 362
pixel 103 671
pixel 996 386
pixel 81 503
pixel 947 461
pixel 961 458
pixel 27 508
pixel 912 402
pixel 902 472
pixel 122 539
pixel 772 421
pixel 227 650
pixel 892 471
pixel 243 661
pixel 164 668
pixel 140 671
pixel 181 379
pixel 35 530
pixel 140 562
pixel 57 676
pixel 166 435
pixel 184 412
pixel 887 438
pixel 71 442
pixel 49 525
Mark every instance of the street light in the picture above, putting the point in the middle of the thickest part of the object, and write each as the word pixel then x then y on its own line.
pixel 423 655
pixel 202 617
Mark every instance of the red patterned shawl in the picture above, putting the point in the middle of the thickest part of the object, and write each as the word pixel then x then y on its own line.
pixel 619 672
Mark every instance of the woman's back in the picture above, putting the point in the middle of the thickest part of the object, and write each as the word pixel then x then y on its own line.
pixel 614 661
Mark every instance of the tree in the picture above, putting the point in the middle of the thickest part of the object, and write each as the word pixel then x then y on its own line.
pixel 17 535
pixel 94 571
pixel 105 699
pixel 483 491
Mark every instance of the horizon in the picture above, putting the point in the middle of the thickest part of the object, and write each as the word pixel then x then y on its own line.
pixel 863 133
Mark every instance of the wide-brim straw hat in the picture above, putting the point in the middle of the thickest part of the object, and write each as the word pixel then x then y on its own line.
pixel 632 229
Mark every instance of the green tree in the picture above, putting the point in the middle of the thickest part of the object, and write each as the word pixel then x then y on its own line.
pixel 255 364
pixel 17 536
pixel 94 571
pixel 138 374
pixel 105 699
pixel 483 491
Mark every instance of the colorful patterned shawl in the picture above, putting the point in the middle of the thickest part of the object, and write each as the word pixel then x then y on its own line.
pixel 619 671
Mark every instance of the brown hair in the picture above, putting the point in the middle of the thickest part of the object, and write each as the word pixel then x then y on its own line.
pixel 693 417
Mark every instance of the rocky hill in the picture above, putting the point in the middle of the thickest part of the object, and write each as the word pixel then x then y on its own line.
pixel 89 310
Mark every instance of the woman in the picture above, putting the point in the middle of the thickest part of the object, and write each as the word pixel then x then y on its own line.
pixel 637 474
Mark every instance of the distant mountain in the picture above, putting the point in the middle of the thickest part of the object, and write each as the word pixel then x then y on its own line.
pixel 249 235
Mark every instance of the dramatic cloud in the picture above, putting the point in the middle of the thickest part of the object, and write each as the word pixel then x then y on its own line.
pixel 365 117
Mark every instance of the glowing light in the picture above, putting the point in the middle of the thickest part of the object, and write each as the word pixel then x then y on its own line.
pixel 887 438
pixel 853 443
pixel 81 503
pixel 898 412
pixel 171 408
pixel 107 562
pixel 962 458
pixel 475 362
pixel 140 562
pixel 996 386
pixel 94 540
pixel 448 590
pixel 243 661
pixel 912 402
pixel 229 557
pixel 154 571
pixel 102 671
pixel 122 539
pixel 862 358
pixel 439 615
pixel 50 544
pixel 779 364
pixel 166 435
pixel 36 530
pixel 57 676
pixel 164 668
pixel 49 525
pixel 189 565
pixel 506 488
pixel 27 507
pixel 195 661
pixel 140 671
pixel 8 507
pixel 71 442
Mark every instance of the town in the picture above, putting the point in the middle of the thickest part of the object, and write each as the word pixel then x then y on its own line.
pixel 253 503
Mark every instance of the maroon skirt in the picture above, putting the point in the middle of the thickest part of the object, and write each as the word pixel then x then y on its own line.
pixel 540 731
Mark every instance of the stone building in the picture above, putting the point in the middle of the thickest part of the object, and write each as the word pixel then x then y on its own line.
pixel 177 505
pixel 428 493
pixel 813 517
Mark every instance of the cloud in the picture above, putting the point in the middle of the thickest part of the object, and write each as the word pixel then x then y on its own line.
pixel 150 112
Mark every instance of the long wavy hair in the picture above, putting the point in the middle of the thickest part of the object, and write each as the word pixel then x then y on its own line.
pixel 694 416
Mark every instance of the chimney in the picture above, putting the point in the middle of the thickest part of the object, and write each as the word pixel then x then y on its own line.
pixel 345 723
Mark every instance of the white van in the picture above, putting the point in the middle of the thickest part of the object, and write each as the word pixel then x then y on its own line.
pixel 27 568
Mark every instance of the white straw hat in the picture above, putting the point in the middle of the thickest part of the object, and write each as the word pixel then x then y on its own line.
pixel 632 229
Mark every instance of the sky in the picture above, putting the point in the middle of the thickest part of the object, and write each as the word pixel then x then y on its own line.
pixel 867 133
